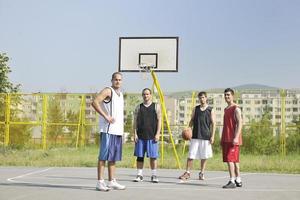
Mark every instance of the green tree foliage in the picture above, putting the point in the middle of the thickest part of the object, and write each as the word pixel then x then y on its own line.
pixel 19 134
pixel 128 126
pixel 5 85
pixel 293 137
pixel 260 137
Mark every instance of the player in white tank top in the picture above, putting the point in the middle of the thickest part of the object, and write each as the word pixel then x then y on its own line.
pixel 109 104
pixel 114 108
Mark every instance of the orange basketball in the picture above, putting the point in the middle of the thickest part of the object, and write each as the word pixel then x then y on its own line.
pixel 187 133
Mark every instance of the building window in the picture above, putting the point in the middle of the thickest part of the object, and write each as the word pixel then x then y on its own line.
pixel 295 109
pixel 257 101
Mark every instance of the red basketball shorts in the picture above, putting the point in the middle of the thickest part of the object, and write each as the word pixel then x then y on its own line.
pixel 231 153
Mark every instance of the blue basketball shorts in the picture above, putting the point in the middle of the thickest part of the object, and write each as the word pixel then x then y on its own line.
pixel 110 147
pixel 150 147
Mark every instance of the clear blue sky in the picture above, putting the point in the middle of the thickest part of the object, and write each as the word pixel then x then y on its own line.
pixel 72 45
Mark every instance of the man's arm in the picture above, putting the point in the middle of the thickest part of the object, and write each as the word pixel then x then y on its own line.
pixel 191 124
pixel 158 114
pixel 135 115
pixel 104 94
pixel 238 130
pixel 213 126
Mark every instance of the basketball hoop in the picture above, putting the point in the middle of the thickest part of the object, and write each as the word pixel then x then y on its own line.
pixel 145 69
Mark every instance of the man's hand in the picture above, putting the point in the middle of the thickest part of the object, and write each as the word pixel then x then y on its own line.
pixel 235 141
pixel 135 138
pixel 212 140
pixel 110 119
pixel 156 137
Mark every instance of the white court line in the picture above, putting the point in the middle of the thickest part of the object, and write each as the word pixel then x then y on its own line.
pixel 27 174
pixel 130 186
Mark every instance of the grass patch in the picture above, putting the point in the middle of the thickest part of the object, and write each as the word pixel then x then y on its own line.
pixel 87 157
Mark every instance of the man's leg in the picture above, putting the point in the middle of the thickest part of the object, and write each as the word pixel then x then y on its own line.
pixel 153 163
pixel 101 166
pixel 202 169
pixel 203 165
pixel 231 171
pixel 189 164
pixel 186 175
pixel 237 169
pixel 111 170
pixel 139 166
pixel 238 180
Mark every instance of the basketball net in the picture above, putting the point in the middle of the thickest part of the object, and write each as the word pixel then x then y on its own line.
pixel 145 70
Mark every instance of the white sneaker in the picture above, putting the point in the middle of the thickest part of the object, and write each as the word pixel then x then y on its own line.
pixel 101 186
pixel 139 178
pixel 115 185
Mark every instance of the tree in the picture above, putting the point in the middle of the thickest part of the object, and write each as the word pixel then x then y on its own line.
pixel 19 135
pixel 5 85
pixel 259 137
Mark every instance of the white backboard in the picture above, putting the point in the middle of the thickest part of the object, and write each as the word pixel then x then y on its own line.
pixel 159 52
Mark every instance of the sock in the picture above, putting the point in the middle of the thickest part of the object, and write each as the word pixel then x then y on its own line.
pixel 153 171
pixel 140 172
pixel 101 180
pixel 187 171
pixel 238 179
pixel 232 179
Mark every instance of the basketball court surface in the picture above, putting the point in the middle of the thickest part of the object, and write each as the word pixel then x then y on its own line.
pixel 29 183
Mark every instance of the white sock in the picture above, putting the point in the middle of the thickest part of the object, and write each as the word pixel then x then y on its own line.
pixel 153 171
pixel 140 172
pixel 238 179
pixel 232 179
pixel 101 180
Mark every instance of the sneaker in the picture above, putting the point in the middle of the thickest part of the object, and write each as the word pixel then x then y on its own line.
pixel 229 185
pixel 113 184
pixel 238 184
pixel 139 178
pixel 185 176
pixel 201 176
pixel 101 186
pixel 154 179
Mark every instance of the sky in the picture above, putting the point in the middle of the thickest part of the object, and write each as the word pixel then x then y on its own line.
pixel 72 45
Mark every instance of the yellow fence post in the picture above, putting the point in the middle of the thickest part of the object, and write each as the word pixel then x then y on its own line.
pixel 164 114
pixel 83 106
pixel 79 122
pixel 7 119
pixel 44 122
pixel 162 139
pixel 282 131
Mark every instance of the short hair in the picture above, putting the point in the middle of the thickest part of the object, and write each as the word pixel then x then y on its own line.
pixel 229 90
pixel 202 93
pixel 145 90
pixel 114 74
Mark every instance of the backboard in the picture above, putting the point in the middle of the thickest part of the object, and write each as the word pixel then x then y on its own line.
pixel 159 53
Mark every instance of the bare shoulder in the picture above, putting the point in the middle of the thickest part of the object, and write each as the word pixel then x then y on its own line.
pixel 104 93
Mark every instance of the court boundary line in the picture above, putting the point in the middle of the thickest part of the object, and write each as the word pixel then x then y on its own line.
pixel 13 180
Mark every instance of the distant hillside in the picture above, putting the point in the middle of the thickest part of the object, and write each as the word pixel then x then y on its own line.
pixel 254 86
pixel 221 90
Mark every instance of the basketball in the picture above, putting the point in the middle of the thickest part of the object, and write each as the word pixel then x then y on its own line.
pixel 187 134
